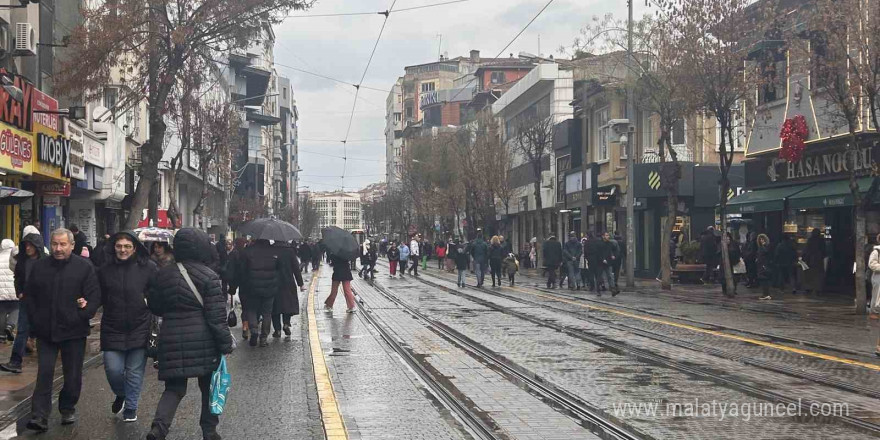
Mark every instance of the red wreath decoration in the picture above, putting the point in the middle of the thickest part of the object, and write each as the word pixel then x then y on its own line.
pixel 794 134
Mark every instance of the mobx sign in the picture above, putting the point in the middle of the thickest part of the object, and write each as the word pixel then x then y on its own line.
pixel 54 151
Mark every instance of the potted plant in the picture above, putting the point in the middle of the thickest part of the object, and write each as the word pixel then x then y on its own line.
pixel 689 270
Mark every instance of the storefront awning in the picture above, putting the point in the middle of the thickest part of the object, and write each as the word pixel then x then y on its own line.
pixel 763 200
pixel 827 194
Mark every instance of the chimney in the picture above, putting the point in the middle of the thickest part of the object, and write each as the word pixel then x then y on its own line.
pixel 475 56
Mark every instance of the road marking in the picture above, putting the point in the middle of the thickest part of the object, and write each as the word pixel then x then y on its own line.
pixel 334 426
pixel 799 351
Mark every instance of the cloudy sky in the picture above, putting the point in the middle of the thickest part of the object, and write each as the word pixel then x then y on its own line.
pixel 339 47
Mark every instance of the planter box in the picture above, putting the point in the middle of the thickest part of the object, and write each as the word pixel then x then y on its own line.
pixel 689 273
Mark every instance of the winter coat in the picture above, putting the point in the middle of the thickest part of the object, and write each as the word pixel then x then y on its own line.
pixel 125 321
pixel 573 250
pixel 193 336
pixel 597 251
pixel 785 255
pixel 341 269
pixel 404 252
pixel 552 253
pixel 480 251
pixel 393 254
pixel 287 298
pixel 496 252
pixel 80 242
pixel 510 265
pixel 304 252
pixel 708 246
pixel 51 294
pixel 460 254
pixel 7 276
pixel 764 263
pixel 258 271
pixel 21 271
pixel 168 259
pixel 874 260
pixel 614 251
pixel 414 249
pixel 28 230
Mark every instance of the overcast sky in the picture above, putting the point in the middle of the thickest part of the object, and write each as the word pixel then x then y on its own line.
pixel 339 47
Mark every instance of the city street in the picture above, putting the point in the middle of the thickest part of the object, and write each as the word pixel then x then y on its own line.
pixel 424 359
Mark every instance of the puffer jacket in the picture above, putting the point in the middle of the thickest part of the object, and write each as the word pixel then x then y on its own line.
pixel 258 271
pixel 7 276
pixel 874 260
pixel 193 335
pixel 125 323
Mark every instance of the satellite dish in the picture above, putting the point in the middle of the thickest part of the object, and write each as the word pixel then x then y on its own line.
pixel 101 114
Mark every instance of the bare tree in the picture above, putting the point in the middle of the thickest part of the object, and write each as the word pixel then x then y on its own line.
pixel 307 216
pixel 217 136
pixel 148 43
pixel 534 143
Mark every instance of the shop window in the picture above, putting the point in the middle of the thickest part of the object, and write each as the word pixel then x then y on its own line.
pixel 773 77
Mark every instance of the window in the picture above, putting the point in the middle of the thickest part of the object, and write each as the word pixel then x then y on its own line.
pixel 678 135
pixel 602 135
pixel 396 117
pixel 284 93
pixel 647 133
pixel 427 87
pixel 111 97
pixel 497 78
pixel 409 112
pixel 824 59
pixel 773 77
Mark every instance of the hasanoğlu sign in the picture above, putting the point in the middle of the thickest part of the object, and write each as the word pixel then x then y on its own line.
pixel 823 164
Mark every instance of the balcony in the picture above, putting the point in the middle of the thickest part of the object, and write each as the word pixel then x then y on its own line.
pixel 684 154
pixel 261 117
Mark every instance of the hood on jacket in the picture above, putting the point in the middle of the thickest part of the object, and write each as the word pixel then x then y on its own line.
pixel 30 229
pixel 191 244
pixel 36 240
pixel 140 249
pixel 7 244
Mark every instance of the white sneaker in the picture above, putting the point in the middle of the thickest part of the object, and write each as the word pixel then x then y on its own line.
pixel 351 310
pixel 766 297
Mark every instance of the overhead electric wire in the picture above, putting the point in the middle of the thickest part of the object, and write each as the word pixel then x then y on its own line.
pixel 356 86
pixel 340 157
pixel 347 141
pixel 349 14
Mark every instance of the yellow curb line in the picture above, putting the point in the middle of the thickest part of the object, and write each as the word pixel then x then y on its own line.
pixel 334 426
pixel 800 351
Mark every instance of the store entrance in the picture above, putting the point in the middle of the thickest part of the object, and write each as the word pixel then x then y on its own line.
pixel 841 251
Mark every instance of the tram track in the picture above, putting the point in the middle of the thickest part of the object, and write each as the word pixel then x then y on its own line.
pixel 754 390
pixel 587 415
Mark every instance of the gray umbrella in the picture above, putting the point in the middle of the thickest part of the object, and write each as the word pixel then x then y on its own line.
pixel 270 229
pixel 340 243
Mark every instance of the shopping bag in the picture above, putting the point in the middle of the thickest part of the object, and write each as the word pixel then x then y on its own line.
pixel 220 382
pixel 231 318
pixel 739 267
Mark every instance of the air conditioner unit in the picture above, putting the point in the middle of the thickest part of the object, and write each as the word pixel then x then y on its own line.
pixel 25 39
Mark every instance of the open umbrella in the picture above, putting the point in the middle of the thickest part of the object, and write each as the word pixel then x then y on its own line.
pixel 270 229
pixel 340 242
pixel 152 234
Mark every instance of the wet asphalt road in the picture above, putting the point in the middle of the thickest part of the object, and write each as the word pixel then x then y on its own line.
pixel 273 397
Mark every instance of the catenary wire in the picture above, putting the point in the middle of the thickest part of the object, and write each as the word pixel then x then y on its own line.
pixel 349 14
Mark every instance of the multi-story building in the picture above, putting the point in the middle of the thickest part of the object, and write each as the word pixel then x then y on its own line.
pixel 289 166
pixel 394 126
pixel 338 209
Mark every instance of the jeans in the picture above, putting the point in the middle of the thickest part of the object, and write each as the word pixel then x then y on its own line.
pixel 279 320
pixel 8 313
pixel 604 271
pixel 414 268
pixel 495 269
pixel 574 275
pixel 21 337
pixel 175 389
pixel 711 264
pixel 73 353
pixel 480 272
pixel 260 307
pixel 551 276
pixel 125 373
pixel 462 274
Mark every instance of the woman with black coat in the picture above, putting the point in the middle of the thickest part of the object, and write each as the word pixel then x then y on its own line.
pixel 125 323
pixel 287 300
pixel 764 265
pixel 194 333
pixel 496 256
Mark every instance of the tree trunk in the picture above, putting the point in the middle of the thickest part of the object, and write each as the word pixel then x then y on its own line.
pixel 665 260
pixel 151 154
pixel 725 257
pixel 539 258
pixel 861 240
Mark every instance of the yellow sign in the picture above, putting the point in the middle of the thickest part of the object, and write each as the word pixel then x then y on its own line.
pixel 52 154
pixel 16 150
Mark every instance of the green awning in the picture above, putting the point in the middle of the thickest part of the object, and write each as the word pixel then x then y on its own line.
pixel 828 194
pixel 763 200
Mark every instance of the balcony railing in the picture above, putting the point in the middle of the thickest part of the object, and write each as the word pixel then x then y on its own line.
pixel 684 154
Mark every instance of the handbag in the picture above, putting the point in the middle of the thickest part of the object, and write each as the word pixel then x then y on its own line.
pixel 739 267
pixel 231 318
pixel 220 382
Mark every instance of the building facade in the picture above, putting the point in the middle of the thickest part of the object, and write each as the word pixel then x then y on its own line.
pixel 338 209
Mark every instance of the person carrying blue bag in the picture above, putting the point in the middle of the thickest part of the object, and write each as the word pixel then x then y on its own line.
pixel 194 335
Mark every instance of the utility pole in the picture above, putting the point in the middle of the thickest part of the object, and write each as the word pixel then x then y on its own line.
pixel 630 157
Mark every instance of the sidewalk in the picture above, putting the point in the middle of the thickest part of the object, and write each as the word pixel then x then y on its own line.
pixel 821 322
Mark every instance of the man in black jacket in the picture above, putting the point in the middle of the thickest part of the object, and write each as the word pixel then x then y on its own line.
pixel 304 252
pixel 552 254
pixel 709 252
pixel 62 295
pixel 259 280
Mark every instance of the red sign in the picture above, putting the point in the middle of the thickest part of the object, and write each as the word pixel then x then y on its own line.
pixel 163 221
pixel 17 113
pixel 42 101
pixel 54 189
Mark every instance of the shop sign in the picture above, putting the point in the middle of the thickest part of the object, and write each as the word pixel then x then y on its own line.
pixel 53 188
pixel 574 197
pixel 77 162
pixel 52 200
pixel 42 101
pixel 605 195
pixel 16 150
pixel 53 154
pixel 17 113
pixel 93 151
pixel 815 166
pixel 428 98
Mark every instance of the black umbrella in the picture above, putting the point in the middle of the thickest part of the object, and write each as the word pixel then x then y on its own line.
pixel 270 229
pixel 340 243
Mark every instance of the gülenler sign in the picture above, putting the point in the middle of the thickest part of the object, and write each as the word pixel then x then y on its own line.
pixel 54 151
pixel 830 163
